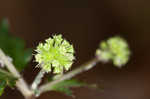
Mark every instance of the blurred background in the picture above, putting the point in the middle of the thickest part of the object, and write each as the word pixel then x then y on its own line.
pixel 85 23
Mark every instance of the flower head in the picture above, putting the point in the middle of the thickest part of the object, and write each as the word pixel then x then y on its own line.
pixel 56 53
pixel 115 49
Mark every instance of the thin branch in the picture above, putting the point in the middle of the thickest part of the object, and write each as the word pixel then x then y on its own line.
pixel 37 80
pixel 20 84
pixel 82 68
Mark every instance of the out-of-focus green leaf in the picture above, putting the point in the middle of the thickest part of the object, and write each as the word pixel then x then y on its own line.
pixel 2 87
pixel 65 86
pixel 4 26
pixel 14 47
pixel 6 79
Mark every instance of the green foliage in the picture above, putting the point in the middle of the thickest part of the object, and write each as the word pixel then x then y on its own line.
pixel 2 87
pixel 4 26
pixel 115 49
pixel 14 47
pixel 6 79
pixel 55 53
pixel 65 86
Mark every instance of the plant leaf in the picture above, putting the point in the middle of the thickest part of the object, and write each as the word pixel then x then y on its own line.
pixel 2 87
pixel 65 86
pixel 14 47
pixel 6 79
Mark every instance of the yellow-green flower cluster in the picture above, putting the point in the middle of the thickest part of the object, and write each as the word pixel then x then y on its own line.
pixel 115 49
pixel 56 53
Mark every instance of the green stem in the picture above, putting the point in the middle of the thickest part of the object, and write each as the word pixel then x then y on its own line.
pixel 82 68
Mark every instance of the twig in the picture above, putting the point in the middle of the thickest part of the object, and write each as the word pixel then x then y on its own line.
pixel 37 80
pixel 20 84
pixel 82 68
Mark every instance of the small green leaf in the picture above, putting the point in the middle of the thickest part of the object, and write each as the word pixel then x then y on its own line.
pixel 2 87
pixel 6 79
pixel 65 86
pixel 14 47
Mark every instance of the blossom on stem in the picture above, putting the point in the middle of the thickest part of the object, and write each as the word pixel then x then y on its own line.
pixel 115 49
pixel 56 53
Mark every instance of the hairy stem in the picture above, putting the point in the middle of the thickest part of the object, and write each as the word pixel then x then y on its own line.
pixel 37 80
pixel 20 84
pixel 82 68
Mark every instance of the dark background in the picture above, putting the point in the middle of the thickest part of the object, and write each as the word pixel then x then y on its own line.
pixel 85 23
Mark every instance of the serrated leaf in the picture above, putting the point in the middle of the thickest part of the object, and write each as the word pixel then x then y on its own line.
pixel 14 47
pixel 65 86
pixel 6 79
